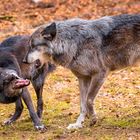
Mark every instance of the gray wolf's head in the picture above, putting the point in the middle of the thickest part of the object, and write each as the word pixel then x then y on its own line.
pixel 40 44
pixel 59 41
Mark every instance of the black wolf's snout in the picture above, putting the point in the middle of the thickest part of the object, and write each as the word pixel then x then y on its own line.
pixel 15 76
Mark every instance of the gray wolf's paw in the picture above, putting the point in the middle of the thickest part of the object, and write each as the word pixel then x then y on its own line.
pixel 93 122
pixel 74 126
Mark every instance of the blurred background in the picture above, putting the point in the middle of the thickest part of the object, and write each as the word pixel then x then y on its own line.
pixel 118 102
pixel 20 16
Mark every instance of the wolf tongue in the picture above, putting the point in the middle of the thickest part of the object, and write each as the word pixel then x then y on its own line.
pixel 20 83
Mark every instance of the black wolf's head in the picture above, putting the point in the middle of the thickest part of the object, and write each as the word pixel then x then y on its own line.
pixel 11 83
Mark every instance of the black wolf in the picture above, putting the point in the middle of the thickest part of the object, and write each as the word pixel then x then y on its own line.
pixel 17 46
pixel 11 83
pixel 90 49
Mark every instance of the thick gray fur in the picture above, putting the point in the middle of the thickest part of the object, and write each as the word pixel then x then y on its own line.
pixel 90 49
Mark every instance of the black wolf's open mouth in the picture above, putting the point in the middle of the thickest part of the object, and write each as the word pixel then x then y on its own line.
pixel 20 83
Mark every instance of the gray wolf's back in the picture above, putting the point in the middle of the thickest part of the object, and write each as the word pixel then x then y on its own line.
pixel 115 35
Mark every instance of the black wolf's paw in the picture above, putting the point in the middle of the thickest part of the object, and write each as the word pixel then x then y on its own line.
pixel 41 128
pixel 7 122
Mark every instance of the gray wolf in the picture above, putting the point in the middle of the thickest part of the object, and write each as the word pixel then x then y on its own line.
pixel 90 49
pixel 17 46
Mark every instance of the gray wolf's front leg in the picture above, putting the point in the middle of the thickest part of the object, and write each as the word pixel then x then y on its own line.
pixel 83 86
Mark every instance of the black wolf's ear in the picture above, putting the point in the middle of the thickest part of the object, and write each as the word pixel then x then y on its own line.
pixel 49 32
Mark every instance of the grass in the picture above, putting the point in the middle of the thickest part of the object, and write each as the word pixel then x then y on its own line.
pixel 117 106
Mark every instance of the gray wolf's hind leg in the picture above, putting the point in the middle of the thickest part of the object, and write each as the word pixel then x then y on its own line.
pixel 88 91
pixel 18 111
pixel 97 81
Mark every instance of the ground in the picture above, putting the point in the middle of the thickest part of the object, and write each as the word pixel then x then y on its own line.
pixel 118 102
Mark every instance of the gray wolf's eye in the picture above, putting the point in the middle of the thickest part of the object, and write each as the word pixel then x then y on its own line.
pixel 47 37
pixel 49 32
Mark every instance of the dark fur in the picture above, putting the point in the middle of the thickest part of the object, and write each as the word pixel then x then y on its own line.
pixel 91 49
pixel 7 93
pixel 18 46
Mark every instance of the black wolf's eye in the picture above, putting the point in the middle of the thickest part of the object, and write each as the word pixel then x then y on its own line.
pixel 9 78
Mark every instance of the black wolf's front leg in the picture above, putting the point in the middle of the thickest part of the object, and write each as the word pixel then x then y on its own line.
pixel 18 111
pixel 27 99
pixel 38 83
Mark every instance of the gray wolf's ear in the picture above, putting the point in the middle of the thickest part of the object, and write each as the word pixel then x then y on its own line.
pixel 49 32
